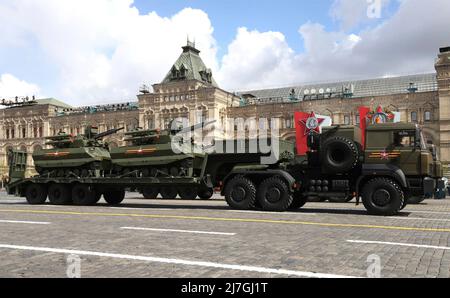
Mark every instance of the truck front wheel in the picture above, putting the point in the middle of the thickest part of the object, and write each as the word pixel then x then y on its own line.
pixel 36 194
pixel 383 196
pixel 299 201
pixel 240 193
pixel 274 195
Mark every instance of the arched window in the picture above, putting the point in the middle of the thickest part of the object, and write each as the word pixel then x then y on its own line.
pixel 413 116
pixel 427 116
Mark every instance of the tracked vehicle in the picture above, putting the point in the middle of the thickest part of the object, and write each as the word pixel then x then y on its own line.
pixel 80 156
pixel 150 154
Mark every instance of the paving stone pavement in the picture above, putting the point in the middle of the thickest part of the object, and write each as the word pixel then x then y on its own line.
pixel 313 240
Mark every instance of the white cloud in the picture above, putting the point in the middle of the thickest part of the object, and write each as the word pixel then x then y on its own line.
pixel 351 13
pixel 10 86
pixel 256 59
pixel 407 43
pixel 105 49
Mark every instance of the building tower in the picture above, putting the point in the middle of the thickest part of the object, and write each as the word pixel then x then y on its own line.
pixel 443 78
pixel 188 91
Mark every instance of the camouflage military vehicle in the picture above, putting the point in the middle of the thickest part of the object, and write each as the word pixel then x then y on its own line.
pixel 81 156
pixel 150 153
pixel 385 165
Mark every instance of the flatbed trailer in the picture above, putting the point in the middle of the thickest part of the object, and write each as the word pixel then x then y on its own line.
pixel 88 191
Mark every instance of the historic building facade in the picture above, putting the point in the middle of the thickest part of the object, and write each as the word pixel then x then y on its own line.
pixel 190 91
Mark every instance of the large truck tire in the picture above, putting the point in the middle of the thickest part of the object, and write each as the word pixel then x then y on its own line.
pixel 299 200
pixel 187 193
pixel 84 195
pixel 114 197
pixel 274 195
pixel 206 194
pixel 59 194
pixel 383 196
pixel 240 193
pixel 150 192
pixel 339 155
pixel 169 192
pixel 36 194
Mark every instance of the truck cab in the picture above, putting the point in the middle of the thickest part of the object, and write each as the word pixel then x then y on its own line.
pixel 403 146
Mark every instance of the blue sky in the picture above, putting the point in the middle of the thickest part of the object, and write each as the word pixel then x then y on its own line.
pixel 97 51
pixel 263 15
pixel 285 16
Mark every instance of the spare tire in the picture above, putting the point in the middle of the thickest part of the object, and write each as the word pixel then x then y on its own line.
pixel 339 155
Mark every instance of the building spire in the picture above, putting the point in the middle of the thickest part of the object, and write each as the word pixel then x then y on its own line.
pixel 190 46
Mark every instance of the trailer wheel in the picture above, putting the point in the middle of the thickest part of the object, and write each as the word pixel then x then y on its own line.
pixel 169 192
pixel 274 195
pixel 114 197
pixel 150 193
pixel 206 194
pixel 36 194
pixel 59 194
pixel 299 200
pixel 240 193
pixel 383 196
pixel 84 195
pixel 187 193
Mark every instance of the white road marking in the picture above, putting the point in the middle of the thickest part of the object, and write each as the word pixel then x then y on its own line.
pixel 178 231
pixel 179 262
pixel 25 222
pixel 399 244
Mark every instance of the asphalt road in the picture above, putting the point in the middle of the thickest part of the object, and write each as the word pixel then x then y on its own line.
pixel 174 238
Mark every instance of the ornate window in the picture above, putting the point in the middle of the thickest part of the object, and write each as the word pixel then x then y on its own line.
pixel 427 116
pixel 413 116
pixel 346 120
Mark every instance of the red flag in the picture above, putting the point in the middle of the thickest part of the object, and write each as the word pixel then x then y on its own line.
pixel 363 112
pixel 300 128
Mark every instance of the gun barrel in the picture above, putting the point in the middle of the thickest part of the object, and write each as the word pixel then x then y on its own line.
pixel 61 142
pixel 197 126
pixel 107 133
pixel 143 132
pixel 141 138
pixel 59 137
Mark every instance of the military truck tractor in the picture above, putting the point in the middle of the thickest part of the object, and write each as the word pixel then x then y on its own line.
pixel 382 164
